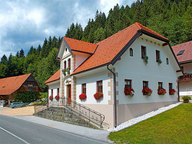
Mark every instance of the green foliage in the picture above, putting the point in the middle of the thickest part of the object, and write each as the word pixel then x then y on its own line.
pixel 26 97
pixel 145 59
pixel 43 95
pixel 171 127
pixel 186 98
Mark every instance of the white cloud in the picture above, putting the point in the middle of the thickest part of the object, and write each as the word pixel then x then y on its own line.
pixel 106 5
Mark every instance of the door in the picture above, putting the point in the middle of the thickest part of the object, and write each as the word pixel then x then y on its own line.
pixel 69 94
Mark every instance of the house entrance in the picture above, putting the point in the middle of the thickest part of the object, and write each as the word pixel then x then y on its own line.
pixel 69 94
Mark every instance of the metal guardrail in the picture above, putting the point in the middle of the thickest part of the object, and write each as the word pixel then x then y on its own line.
pixel 84 112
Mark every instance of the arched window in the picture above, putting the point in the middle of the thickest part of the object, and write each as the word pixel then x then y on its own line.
pixel 131 52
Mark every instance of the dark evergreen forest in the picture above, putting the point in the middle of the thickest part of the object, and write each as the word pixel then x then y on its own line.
pixel 170 18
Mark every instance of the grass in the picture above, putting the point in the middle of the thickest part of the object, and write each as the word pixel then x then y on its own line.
pixel 171 127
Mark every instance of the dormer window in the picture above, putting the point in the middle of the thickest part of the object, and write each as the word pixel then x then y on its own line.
pixel 131 52
pixel 66 49
pixel 180 52
pixel 143 52
pixel 65 65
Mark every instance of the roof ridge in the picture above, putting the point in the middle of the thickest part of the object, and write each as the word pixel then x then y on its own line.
pixel 16 76
pixel 182 43
pixel 138 25
pixel 79 40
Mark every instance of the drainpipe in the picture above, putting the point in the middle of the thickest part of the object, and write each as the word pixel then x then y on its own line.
pixel 178 90
pixel 114 91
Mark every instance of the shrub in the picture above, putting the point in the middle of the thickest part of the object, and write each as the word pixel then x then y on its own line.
pixel 26 97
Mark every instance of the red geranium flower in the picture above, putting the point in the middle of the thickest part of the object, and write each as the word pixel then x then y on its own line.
pixel 162 91
pixel 147 91
pixel 82 96
pixel 57 97
pixel 129 91
pixel 98 95
pixel 51 98
pixel 172 91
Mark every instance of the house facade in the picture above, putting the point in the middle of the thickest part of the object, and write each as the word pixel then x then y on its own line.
pixel 10 86
pixel 183 53
pixel 121 77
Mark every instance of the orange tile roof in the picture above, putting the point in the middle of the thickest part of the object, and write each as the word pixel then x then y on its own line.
pixel 54 77
pixel 187 54
pixel 110 47
pixel 11 84
pixel 80 46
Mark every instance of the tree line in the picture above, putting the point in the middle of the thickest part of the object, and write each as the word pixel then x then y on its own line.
pixel 170 18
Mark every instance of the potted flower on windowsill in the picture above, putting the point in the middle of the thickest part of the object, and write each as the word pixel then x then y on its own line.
pixel 82 96
pixel 64 72
pixel 147 91
pixel 57 97
pixel 172 91
pixel 68 71
pixel 129 91
pixel 186 99
pixel 51 98
pixel 145 59
pixel 98 95
pixel 161 91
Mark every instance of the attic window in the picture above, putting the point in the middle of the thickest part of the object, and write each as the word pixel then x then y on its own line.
pixel 66 49
pixel 180 52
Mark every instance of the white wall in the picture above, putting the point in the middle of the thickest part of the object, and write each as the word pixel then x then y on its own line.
pixel 91 87
pixel 54 86
pixel 187 68
pixel 185 88
pixel 135 69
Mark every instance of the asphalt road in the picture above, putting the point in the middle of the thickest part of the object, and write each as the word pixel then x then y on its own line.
pixel 16 131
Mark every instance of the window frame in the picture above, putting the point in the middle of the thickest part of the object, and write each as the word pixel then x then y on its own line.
pixel 128 83
pixel 69 63
pixel 160 85
pixel 57 91
pixel 167 61
pixel 157 55
pixel 131 52
pixel 84 88
pixel 65 64
pixel 147 84
pixel 143 51
pixel 100 87
pixel 170 86
pixel 51 92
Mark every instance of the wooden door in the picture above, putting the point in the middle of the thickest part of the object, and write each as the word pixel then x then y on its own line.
pixel 69 94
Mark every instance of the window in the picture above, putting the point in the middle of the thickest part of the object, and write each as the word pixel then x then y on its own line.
pixel 69 63
pixel 99 86
pixel 128 83
pixel 170 86
pixel 84 88
pixel 157 55
pixel 57 91
pixel 182 68
pixel 145 84
pixel 180 52
pixel 167 61
pixel 131 52
pixel 51 92
pixel 160 85
pixel 143 51
pixel 65 65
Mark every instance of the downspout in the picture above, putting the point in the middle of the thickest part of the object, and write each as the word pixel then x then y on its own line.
pixel 114 91
pixel 178 90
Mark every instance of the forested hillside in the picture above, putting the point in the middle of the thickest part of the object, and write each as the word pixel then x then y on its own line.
pixel 171 18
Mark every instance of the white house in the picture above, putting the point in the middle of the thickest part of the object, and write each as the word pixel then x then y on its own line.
pixel 135 58
pixel 183 53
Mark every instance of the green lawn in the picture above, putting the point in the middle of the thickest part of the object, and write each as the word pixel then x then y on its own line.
pixel 171 127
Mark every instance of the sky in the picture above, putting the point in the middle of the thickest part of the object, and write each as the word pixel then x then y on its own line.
pixel 26 23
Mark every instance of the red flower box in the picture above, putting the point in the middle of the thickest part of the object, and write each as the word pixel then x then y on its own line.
pixel 51 98
pixel 162 91
pixel 129 91
pixel 82 96
pixel 172 91
pixel 147 91
pixel 98 95
pixel 57 97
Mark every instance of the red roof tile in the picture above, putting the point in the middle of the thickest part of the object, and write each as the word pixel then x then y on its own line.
pixel 187 54
pixel 81 46
pixel 11 84
pixel 110 47
pixel 54 77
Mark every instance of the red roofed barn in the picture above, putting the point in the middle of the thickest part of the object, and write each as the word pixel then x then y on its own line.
pixel 123 76
pixel 183 53
pixel 10 86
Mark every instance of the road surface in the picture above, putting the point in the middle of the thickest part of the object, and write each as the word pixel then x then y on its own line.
pixel 16 131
